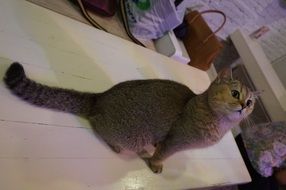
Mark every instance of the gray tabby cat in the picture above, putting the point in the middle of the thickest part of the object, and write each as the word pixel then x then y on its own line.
pixel 133 114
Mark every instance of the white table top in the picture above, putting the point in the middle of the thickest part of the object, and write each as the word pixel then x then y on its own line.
pixel 44 149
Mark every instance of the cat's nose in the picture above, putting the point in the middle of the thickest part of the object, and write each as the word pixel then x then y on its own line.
pixel 242 105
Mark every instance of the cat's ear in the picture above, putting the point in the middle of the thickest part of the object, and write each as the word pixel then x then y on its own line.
pixel 257 93
pixel 224 75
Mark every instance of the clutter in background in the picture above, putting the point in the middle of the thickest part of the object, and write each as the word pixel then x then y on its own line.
pixel 172 47
pixel 259 32
pixel 156 19
pixel 250 15
pixel 200 41
pixel 103 8
pixel 151 19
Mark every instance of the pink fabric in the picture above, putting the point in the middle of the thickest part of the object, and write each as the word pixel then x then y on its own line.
pixel 266 146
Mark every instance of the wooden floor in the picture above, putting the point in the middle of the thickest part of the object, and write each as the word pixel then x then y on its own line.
pixel 44 149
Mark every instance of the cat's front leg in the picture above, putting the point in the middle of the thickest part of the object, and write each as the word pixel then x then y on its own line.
pixel 154 162
pixel 154 166
pixel 163 150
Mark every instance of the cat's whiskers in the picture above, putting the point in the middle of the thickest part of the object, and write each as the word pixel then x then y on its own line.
pixel 250 122
pixel 254 117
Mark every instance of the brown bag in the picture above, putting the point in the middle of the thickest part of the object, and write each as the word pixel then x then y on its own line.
pixel 200 41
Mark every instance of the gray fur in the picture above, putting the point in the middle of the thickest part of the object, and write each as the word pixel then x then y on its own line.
pixel 133 114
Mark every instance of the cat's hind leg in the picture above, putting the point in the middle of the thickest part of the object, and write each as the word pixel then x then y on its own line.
pixel 115 148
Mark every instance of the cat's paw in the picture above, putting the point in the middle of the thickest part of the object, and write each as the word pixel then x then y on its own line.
pixel 156 168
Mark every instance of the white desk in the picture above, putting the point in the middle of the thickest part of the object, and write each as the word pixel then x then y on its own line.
pixel 44 149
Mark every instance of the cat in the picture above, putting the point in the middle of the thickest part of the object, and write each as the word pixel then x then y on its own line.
pixel 133 114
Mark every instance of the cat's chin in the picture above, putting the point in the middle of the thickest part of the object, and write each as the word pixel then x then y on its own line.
pixel 237 116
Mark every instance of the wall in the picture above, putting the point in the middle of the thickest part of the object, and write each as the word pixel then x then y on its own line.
pixel 251 15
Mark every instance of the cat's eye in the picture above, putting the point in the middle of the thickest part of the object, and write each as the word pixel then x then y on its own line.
pixel 235 94
pixel 248 103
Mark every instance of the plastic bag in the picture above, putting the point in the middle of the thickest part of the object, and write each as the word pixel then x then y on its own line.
pixel 151 19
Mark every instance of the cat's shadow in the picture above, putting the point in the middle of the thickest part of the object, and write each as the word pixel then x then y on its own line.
pixel 173 167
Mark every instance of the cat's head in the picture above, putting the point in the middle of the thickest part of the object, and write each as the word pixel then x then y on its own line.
pixel 230 98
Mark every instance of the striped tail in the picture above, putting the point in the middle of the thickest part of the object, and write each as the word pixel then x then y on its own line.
pixel 48 97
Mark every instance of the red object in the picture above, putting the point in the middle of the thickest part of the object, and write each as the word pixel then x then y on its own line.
pixel 101 7
pixel 259 32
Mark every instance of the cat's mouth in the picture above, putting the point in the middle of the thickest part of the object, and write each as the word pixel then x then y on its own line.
pixel 240 111
pixel 242 108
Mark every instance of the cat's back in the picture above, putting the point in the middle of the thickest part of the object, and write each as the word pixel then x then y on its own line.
pixel 148 92
pixel 143 106
pixel 151 86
